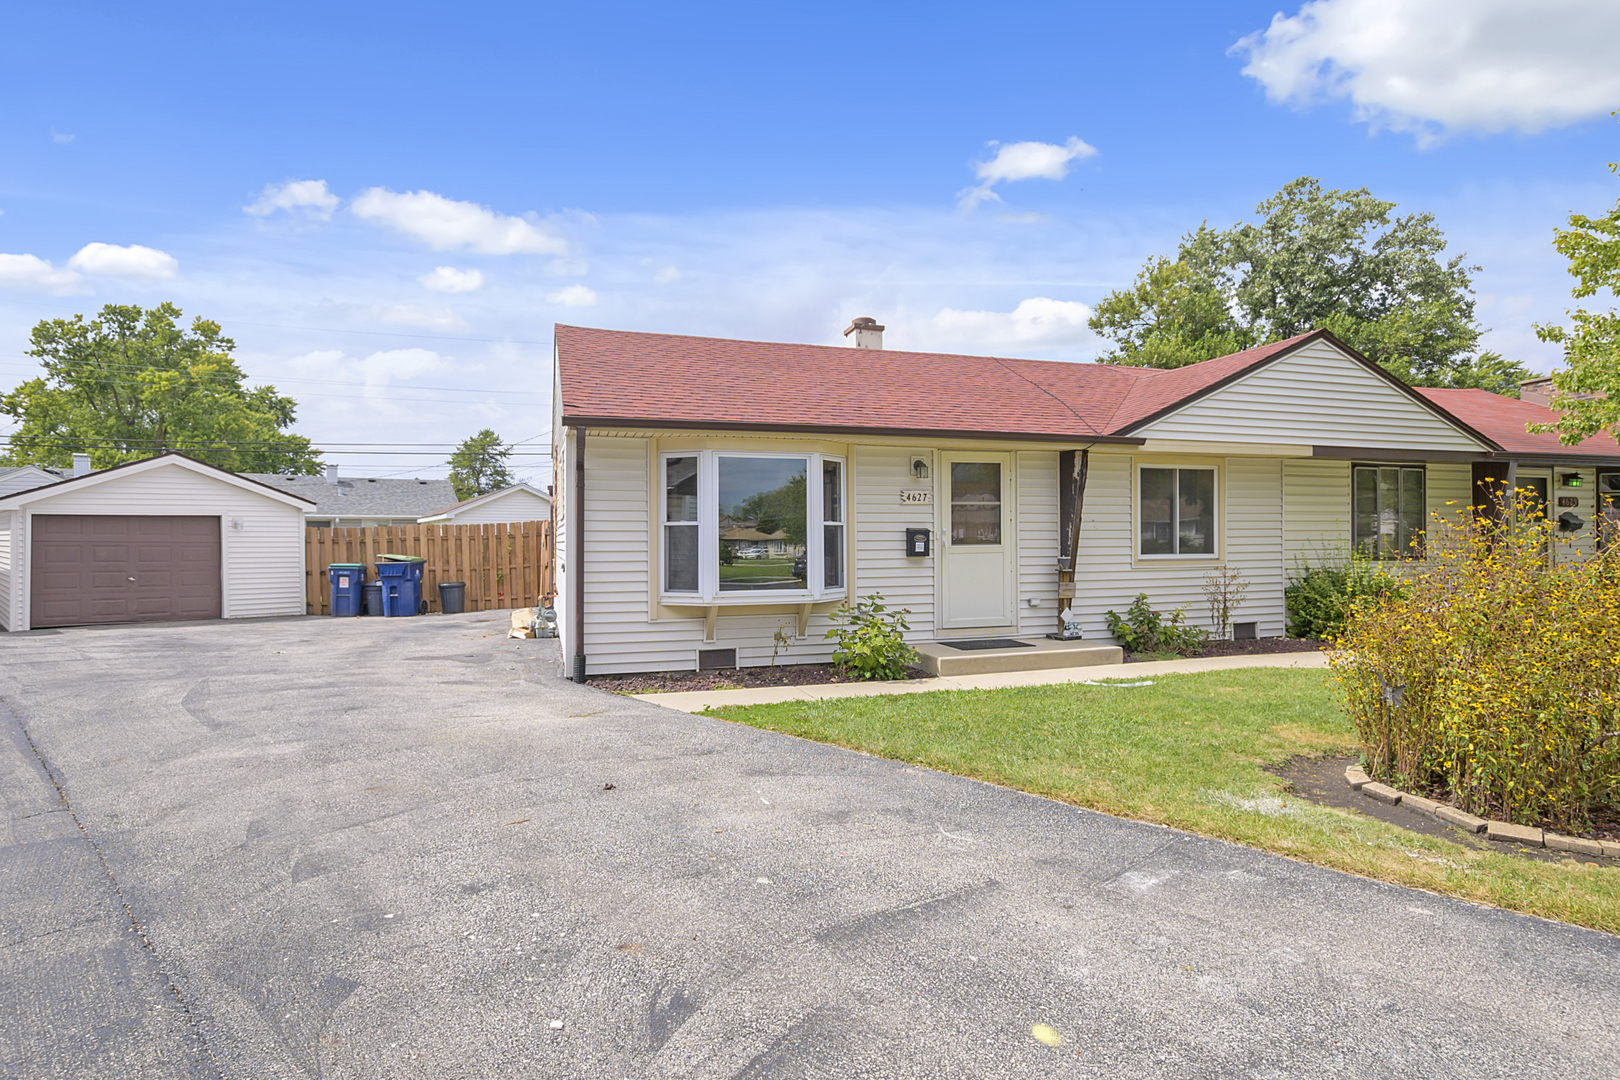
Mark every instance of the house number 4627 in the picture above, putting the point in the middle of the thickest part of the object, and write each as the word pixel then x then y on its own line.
pixel 922 495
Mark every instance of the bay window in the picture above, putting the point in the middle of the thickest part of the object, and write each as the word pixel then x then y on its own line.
pixel 1176 511
pixel 1388 511
pixel 752 526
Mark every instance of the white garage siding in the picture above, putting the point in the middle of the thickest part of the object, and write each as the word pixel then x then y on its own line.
pixel 1316 395
pixel 6 616
pixel 263 560
pixel 517 506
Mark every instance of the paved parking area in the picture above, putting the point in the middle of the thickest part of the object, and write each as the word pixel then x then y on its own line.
pixel 407 848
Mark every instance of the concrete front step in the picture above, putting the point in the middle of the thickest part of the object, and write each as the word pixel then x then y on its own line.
pixel 938 658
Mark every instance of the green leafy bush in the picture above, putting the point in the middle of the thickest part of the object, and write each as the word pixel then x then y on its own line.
pixel 1322 597
pixel 1143 630
pixel 1490 675
pixel 872 640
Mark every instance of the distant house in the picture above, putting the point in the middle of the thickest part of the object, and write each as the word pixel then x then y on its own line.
pixel 347 502
pixel 17 478
pixel 520 502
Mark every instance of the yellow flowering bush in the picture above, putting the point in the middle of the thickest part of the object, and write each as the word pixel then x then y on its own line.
pixel 1494 675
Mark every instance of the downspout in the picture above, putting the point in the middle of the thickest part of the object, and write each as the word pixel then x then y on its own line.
pixel 576 555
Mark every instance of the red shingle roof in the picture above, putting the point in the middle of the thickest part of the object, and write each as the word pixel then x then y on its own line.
pixel 611 376
pixel 1503 419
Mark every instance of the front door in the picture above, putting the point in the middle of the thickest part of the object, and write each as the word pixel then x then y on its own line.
pixel 978 548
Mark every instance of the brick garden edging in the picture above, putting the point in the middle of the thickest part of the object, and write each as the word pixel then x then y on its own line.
pixel 1504 831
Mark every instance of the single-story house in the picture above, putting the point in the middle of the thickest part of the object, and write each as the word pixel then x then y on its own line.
pixel 347 502
pixel 15 478
pixel 520 502
pixel 953 485
pixel 166 538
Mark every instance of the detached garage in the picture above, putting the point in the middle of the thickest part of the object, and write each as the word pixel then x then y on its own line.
pixel 156 540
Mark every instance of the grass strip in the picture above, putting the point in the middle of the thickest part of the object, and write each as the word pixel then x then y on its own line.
pixel 1189 752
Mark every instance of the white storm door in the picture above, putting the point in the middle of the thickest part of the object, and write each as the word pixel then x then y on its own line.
pixel 978 541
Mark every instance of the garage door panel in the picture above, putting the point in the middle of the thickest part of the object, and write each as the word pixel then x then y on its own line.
pixel 108 568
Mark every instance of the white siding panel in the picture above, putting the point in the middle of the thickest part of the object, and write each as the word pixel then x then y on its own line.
pixel 1316 511
pixel 5 569
pixel 518 506
pixel 1037 542
pixel 263 560
pixel 880 473
pixel 1314 396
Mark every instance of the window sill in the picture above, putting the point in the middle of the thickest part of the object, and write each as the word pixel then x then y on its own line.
pixel 1178 558
pixel 749 600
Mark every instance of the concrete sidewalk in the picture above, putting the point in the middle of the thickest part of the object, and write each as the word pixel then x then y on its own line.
pixel 692 701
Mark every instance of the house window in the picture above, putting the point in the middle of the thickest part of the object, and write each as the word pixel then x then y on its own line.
pixel 1388 511
pixel 1608 493
pixel 739 525
pixel 1176 511
pixel 976 502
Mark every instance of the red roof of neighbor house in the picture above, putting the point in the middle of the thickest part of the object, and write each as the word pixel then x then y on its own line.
pixel 613 376
pixel 1503 420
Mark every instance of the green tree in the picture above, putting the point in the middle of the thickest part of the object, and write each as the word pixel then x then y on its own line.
pixel 1313 258
pixel 1588 386
pixel 478 466
pixel 780 510
pixel 129 384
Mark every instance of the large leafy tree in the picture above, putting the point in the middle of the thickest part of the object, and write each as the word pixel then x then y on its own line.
pixel 1588 386
pixel 479 465
pixel 129 384
pixel 1312 258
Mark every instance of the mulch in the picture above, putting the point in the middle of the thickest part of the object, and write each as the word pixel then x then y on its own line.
pixel 1252 647
pixel 666 682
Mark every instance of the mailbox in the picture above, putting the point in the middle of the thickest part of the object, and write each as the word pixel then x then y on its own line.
pixel 917 545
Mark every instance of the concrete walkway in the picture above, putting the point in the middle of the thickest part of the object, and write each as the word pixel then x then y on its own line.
pixel 692 701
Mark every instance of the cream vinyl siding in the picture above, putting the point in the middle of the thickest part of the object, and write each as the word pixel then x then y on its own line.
pixel 1315 396
pixel 6 590
pixel 263 562
pixel 1106 576
pixel 880 473
pixel 1037 542
pixel 562 448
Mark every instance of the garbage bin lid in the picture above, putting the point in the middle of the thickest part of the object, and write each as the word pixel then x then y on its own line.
pixel 401 558
pixel 345 566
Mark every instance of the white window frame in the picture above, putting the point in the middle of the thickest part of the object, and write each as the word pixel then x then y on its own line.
pixel 709 530
pixel 1214 556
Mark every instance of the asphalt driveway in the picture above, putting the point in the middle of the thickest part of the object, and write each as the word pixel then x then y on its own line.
pixel 407 848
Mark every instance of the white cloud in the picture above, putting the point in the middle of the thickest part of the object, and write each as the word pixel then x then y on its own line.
pixel 133 261
pixel 427 318
pixel 32 272
pixel 60 137
pixel 573 296
pixel 377 372
pixel 1022 161
pixel 449 279
pixel 1036 321
pixel 309 197
pixel 1436 66
pixel 445 224
pixel 667 276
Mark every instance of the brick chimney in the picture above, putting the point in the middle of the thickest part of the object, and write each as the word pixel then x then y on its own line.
pixel 1541 390
pixel 868 334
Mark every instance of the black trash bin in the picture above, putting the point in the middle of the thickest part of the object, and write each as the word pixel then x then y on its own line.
pixel 453 597
pixel 374 598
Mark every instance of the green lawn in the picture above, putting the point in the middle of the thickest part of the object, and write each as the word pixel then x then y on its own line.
pixel 1188 752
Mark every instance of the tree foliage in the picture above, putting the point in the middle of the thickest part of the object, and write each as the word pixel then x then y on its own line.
pixel 779 510
pixel 479 467
pixel 1588 386
pixel 1312 259
pixel 129 384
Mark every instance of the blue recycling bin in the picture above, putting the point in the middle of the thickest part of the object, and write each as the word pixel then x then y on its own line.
pixel 401 580
pixel 348 580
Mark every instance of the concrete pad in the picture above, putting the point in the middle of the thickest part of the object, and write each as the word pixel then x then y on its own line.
pixel 1037 654
pixel 1509 833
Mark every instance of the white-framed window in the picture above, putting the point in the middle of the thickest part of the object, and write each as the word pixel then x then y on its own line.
pixel 744 526
pixel 1388 511
pixel 1176 511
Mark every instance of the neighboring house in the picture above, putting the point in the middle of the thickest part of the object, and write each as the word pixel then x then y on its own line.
pixel 1258 461
pixel 520 502
pixel 165 538
pixel 17 478
pixel 344 502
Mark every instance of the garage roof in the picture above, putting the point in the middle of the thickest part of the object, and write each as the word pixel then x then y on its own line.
pixel 167 459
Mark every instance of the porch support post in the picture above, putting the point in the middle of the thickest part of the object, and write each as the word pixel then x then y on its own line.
pixel 1072 468
pixel 576 556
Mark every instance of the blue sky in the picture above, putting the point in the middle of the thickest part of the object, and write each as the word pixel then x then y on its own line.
pixel 758 170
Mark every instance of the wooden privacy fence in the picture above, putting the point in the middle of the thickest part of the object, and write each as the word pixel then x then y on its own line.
pixel 507 565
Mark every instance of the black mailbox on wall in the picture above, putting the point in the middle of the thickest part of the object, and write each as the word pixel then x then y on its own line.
pixel 917 544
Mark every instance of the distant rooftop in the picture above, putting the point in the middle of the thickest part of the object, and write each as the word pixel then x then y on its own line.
pixel 364 496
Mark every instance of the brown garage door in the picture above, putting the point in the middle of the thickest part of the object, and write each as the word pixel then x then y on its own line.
pixel 106 568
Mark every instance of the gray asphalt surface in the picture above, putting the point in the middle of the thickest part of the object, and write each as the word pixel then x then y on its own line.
pixel 385 848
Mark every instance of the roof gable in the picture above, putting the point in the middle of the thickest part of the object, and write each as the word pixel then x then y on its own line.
pixel 167 459
pixel 490 497
pixel 1312 390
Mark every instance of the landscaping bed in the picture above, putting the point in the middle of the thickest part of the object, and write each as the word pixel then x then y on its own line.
pixel 1193 752
pixel 667 682
pixel 1251 647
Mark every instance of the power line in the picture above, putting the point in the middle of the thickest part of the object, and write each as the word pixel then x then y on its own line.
pixel 235 380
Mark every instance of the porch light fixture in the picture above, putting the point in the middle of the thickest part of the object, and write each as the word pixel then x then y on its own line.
pixel 1572 479
pixel 919 467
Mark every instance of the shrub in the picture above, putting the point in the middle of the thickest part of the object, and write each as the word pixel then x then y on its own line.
pixel 1492 677
pixel 872 640
pixel 1322 597
pixel 1143 630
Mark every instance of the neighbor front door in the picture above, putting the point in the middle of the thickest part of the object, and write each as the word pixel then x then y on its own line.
pixel 979 541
